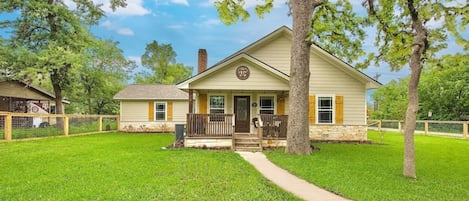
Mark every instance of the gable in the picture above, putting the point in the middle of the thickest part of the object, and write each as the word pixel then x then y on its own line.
pixel 275 52
pixel 225 78
pixel 20 90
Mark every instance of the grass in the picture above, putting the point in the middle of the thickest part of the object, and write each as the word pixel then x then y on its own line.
pixel 374 172
pixel 126 167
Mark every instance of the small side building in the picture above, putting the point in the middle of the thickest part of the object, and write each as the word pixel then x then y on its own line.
pixel 152 108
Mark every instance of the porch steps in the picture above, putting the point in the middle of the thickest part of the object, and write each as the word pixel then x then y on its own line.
pixel 247 142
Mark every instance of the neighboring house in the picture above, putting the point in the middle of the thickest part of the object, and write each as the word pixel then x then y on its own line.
pixel 230 101
pixel 20 97
pixel 151 108
pixel 254 82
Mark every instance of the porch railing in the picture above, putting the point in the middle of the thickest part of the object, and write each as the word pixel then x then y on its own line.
pixel 274 126
pixel 209 125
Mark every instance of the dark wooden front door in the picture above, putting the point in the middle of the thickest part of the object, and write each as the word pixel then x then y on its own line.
pixel 242 112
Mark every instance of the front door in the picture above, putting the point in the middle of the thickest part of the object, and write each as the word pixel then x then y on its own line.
pixel 242 112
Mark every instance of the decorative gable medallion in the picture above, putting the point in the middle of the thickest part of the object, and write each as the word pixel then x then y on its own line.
pixel 242 72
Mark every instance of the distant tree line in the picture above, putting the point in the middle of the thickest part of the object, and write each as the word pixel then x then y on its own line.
pixel 443 89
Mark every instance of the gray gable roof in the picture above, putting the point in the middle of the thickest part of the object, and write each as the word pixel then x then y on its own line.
pixel 151 92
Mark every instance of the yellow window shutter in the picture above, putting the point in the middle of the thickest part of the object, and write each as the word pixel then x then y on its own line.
pixel 280 105
pixel 312 110
pixel 203 103
pixel 151 111
pixel 339 109
pixel 169 110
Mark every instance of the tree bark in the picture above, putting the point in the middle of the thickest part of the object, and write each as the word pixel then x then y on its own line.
pixel 298 128
pixel 420 44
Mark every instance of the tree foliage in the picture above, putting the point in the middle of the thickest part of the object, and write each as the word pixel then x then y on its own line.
pixel 392 100
pixel 445 89
pixel 161 61
pixel 105 72
pixel 50 38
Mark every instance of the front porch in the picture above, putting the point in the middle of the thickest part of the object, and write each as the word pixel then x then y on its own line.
pixel 219 130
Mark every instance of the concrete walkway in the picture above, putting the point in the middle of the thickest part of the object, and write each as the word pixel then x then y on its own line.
pixel 287 181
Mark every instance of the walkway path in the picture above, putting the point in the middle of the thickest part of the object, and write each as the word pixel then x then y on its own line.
pixel 287 181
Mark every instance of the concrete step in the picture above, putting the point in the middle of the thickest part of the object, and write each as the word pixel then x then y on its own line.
pixel 250 149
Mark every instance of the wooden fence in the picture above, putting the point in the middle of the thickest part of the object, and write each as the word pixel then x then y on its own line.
pixel 427 127
pixel 14 126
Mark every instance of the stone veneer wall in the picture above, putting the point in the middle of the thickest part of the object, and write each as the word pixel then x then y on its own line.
pixel 207 142
pixel 165 127
pixel 338 132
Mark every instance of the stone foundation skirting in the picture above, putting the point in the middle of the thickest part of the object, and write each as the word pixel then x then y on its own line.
pixel 208 142
pixel 338 132
pixel 160 127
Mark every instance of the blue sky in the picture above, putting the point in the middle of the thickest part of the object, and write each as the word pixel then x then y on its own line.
pixel 192 24
pixel 189 25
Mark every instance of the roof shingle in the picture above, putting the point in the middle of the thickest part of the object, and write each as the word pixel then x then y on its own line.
pixel 151 92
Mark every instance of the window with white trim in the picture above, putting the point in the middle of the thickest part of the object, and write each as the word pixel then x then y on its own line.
pixel 160 111
pixel 325 109
pixel 266 104
pixel 217 106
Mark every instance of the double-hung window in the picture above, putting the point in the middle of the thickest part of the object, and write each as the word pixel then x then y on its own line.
pixel 160 111
pixel 217 106
pixel 266 105
pixel 325 109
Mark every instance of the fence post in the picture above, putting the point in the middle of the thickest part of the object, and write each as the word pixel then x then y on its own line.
pixel 118 120
pixel 379 125
pixel 100 123
pixel 399 126
pixel 66 125
pixel 426 127
pixel 465 128
pixel 8 127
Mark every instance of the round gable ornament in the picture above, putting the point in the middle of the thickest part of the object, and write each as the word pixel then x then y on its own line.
pixel 242 72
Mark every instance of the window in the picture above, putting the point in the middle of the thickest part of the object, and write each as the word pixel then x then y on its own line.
pixel 325 109
pixel 160 111
pixel 266 105
pixel 217 106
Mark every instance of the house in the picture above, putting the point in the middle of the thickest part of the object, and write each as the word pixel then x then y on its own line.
pixel 151 108
pixel 254 83
pixel 242 101
pixel 21 97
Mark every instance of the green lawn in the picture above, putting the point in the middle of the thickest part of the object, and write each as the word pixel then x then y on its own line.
pixel 374 172
pixel 126 167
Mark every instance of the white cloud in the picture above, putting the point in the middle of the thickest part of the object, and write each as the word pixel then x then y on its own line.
pixel 137 59
pixel 176 26
pixel 167 2
pixel 125 31
pixel 182 2
pixel 208 23
pixel 134 7
pixel 120 30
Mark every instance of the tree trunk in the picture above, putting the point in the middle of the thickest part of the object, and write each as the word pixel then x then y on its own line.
pixel 420 44
pixel 58 100
pixel 298 128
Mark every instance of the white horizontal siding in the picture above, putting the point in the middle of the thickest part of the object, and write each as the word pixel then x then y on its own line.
pixel 134 110
pixel 275 53
pixel 329 79
pixel 226 79
pixel 180 110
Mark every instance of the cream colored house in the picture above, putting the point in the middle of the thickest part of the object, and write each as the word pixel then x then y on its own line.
pixel 242 101
pixel 151 108
pixel 254 83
